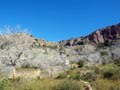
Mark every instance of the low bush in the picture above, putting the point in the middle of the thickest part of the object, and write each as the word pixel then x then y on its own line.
pixel 96 70
pixel 104 53
pixel 90 76
pixel 75 75
pixel 117 62
pixel 70 74
pixel 111 72
pixel 80 64
pixel 108 71
pixel 5 84
pixel 108 74
pixel 62 75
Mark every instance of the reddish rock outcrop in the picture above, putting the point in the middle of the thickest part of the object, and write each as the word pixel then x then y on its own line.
pixel 109 33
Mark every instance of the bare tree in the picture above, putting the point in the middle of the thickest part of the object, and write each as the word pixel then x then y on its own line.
pixel 14 41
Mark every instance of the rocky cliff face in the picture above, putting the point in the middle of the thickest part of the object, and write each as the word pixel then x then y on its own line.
pixel 104 35
pixel 23 50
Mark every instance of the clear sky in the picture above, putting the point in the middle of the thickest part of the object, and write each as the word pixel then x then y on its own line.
pixel 55 20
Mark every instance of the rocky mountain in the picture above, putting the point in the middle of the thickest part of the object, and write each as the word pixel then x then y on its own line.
pixel 104 35
pixel 21 50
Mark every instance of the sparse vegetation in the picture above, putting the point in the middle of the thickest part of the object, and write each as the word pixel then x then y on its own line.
pixel 105 84
pixel 88 77
pixel 62 75
pixel 47 84
pixel 2 46
pixel 96 70
pixel 80 63
pixel 101 77
pixel 103 53
pixel 111 72
pixel 100 45
pixel 51 47
pixel 117 62
pixel 5 84
pixel 75 75
pixel 67 85
pixel 36 44
pixel 70 74
pixel 105 44
pixel 108 43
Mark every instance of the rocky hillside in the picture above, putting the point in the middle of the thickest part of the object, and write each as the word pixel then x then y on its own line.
pixel 24 51
pixel 104 35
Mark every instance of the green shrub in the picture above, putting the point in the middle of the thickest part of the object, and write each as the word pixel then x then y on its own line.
pixel 70 74
pixel 2 47
pixel 62 75
pixel 96 70
pixel 67 85
pixel 117 62
pixel 35 45
pixel 18 79
pixel 90 76
pixel 103 53
pixel 75 75
pixel 107 71
pixel 52 47
pixel 111 72
pixel 80 64
pixel 108 74
pixel 5 84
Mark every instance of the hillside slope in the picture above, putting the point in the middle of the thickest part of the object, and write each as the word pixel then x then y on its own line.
pixel 23 51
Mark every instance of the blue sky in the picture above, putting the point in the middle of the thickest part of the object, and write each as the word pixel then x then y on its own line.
pixel 55 20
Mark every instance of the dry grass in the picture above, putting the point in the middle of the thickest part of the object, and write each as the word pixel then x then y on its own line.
pixel 105 84
pixel 28 73
pixel 46 84
pixel 71 83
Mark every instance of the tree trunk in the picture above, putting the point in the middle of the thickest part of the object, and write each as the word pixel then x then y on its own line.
pixel 14 73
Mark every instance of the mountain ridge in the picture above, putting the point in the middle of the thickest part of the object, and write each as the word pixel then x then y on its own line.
pixel 98 36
